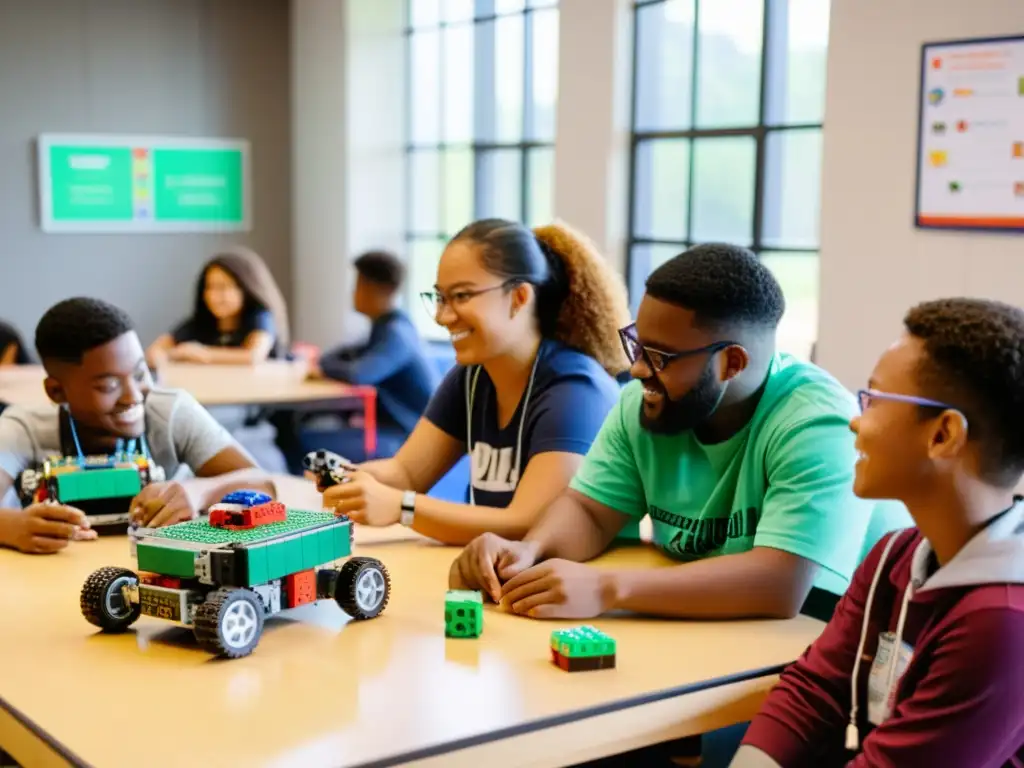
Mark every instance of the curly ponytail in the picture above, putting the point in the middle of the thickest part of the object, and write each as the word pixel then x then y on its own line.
pixel 581 302
pixel 593 304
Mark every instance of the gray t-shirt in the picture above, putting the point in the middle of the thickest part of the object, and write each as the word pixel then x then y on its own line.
pixel 181 434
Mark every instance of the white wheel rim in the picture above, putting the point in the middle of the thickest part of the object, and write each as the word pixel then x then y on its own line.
pixel 238 625
pixel 122 608
pixel 370 589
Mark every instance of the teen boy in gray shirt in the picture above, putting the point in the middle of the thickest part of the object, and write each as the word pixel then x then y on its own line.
pixel 97 376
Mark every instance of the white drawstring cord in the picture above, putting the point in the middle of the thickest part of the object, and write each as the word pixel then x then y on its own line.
pixel 470 396
pixel 852 733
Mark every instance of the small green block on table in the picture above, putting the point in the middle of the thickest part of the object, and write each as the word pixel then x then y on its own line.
pixel 582 648
pixel 463 613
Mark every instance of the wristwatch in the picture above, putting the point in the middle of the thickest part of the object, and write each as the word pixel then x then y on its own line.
pixel 408 508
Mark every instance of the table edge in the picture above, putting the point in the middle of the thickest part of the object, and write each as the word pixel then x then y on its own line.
pixel 454 745
pixel 40 733
pixel 564 718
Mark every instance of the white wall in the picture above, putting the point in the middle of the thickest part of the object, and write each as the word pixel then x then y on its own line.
pixel 875 265
pixel 163 67
pixel 348 126
pixel 593 129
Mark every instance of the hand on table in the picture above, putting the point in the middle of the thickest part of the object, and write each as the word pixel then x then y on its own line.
pixel 365 500
pixel 189 352
pixel 487 561
pixel 44 528
pixel 160 504
pixel 559 589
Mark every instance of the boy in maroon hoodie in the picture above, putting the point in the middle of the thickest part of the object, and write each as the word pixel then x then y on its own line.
pixel 922 664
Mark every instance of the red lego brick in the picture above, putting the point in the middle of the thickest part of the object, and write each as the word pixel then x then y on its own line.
pixel 157 580
pixel 269 512
pixel 300 588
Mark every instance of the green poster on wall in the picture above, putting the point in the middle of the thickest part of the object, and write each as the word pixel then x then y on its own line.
pixel 143 184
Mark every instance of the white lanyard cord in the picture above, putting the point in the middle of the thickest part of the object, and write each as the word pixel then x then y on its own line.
pixel 470 396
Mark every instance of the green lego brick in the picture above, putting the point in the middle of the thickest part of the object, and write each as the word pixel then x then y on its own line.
pixel 201 532
pixel 463 613
pixel 98 484
pixel 257 558
pixel 167 561
pixel 310 544
pixel 342 546
pixel 582 642
pixel 284 557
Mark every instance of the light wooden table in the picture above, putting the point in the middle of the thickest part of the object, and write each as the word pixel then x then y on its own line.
pixel 272 383
pixel 320 690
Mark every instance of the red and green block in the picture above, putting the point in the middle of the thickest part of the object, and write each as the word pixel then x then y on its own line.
pixel 582 648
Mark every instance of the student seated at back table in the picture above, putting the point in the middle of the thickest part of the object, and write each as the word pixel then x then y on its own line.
pixel 238 317
pixel 741 456
pixel 12 348
pixel 942 429
pixel 532 317
pixel 96 373
pixel 394 360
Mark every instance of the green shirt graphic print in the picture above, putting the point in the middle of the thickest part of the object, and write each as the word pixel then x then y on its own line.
pixel 784 481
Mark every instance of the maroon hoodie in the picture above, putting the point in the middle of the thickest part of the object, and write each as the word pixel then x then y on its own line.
pixel 955 699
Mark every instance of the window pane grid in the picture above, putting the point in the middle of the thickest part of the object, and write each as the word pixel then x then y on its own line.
pixel 728 99
pixel 480 104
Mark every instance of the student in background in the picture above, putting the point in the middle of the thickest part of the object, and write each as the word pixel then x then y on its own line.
pixel 532 316
pixel 393 359
pixel 12 348
pixel 97 374
pixel 923 662
pixel 239 316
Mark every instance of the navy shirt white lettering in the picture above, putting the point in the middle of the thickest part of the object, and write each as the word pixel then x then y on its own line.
pixel 570 398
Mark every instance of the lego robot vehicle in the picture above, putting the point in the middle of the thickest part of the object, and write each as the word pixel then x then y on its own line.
pixel 224 574
pixel 102 486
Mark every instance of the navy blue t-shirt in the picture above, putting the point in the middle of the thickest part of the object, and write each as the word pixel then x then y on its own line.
pixel 260 320
pixel 570 398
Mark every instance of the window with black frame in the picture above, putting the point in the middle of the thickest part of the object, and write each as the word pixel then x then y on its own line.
pixel 482 91
pixel 728 107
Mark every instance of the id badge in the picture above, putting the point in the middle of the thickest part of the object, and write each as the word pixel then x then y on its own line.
pixel 881 695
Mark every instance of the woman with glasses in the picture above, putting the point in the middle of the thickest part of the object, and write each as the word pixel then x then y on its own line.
pixel 533 318
pixel 922 663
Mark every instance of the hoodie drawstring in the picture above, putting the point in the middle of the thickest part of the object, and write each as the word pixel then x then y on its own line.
pixel 852 733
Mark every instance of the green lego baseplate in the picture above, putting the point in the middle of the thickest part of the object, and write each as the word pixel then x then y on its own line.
pixel 201 532
pixel 582 642
pixel 463 613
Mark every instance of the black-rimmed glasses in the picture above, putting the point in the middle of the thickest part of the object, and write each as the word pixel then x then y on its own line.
pixel 435 301
pixel 658 359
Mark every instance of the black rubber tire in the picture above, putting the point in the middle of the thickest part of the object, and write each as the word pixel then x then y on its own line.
pixel 96 605
pixel 212 631
pixel 346 590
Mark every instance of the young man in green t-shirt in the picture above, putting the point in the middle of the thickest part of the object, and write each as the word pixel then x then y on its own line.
pixel 742 456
